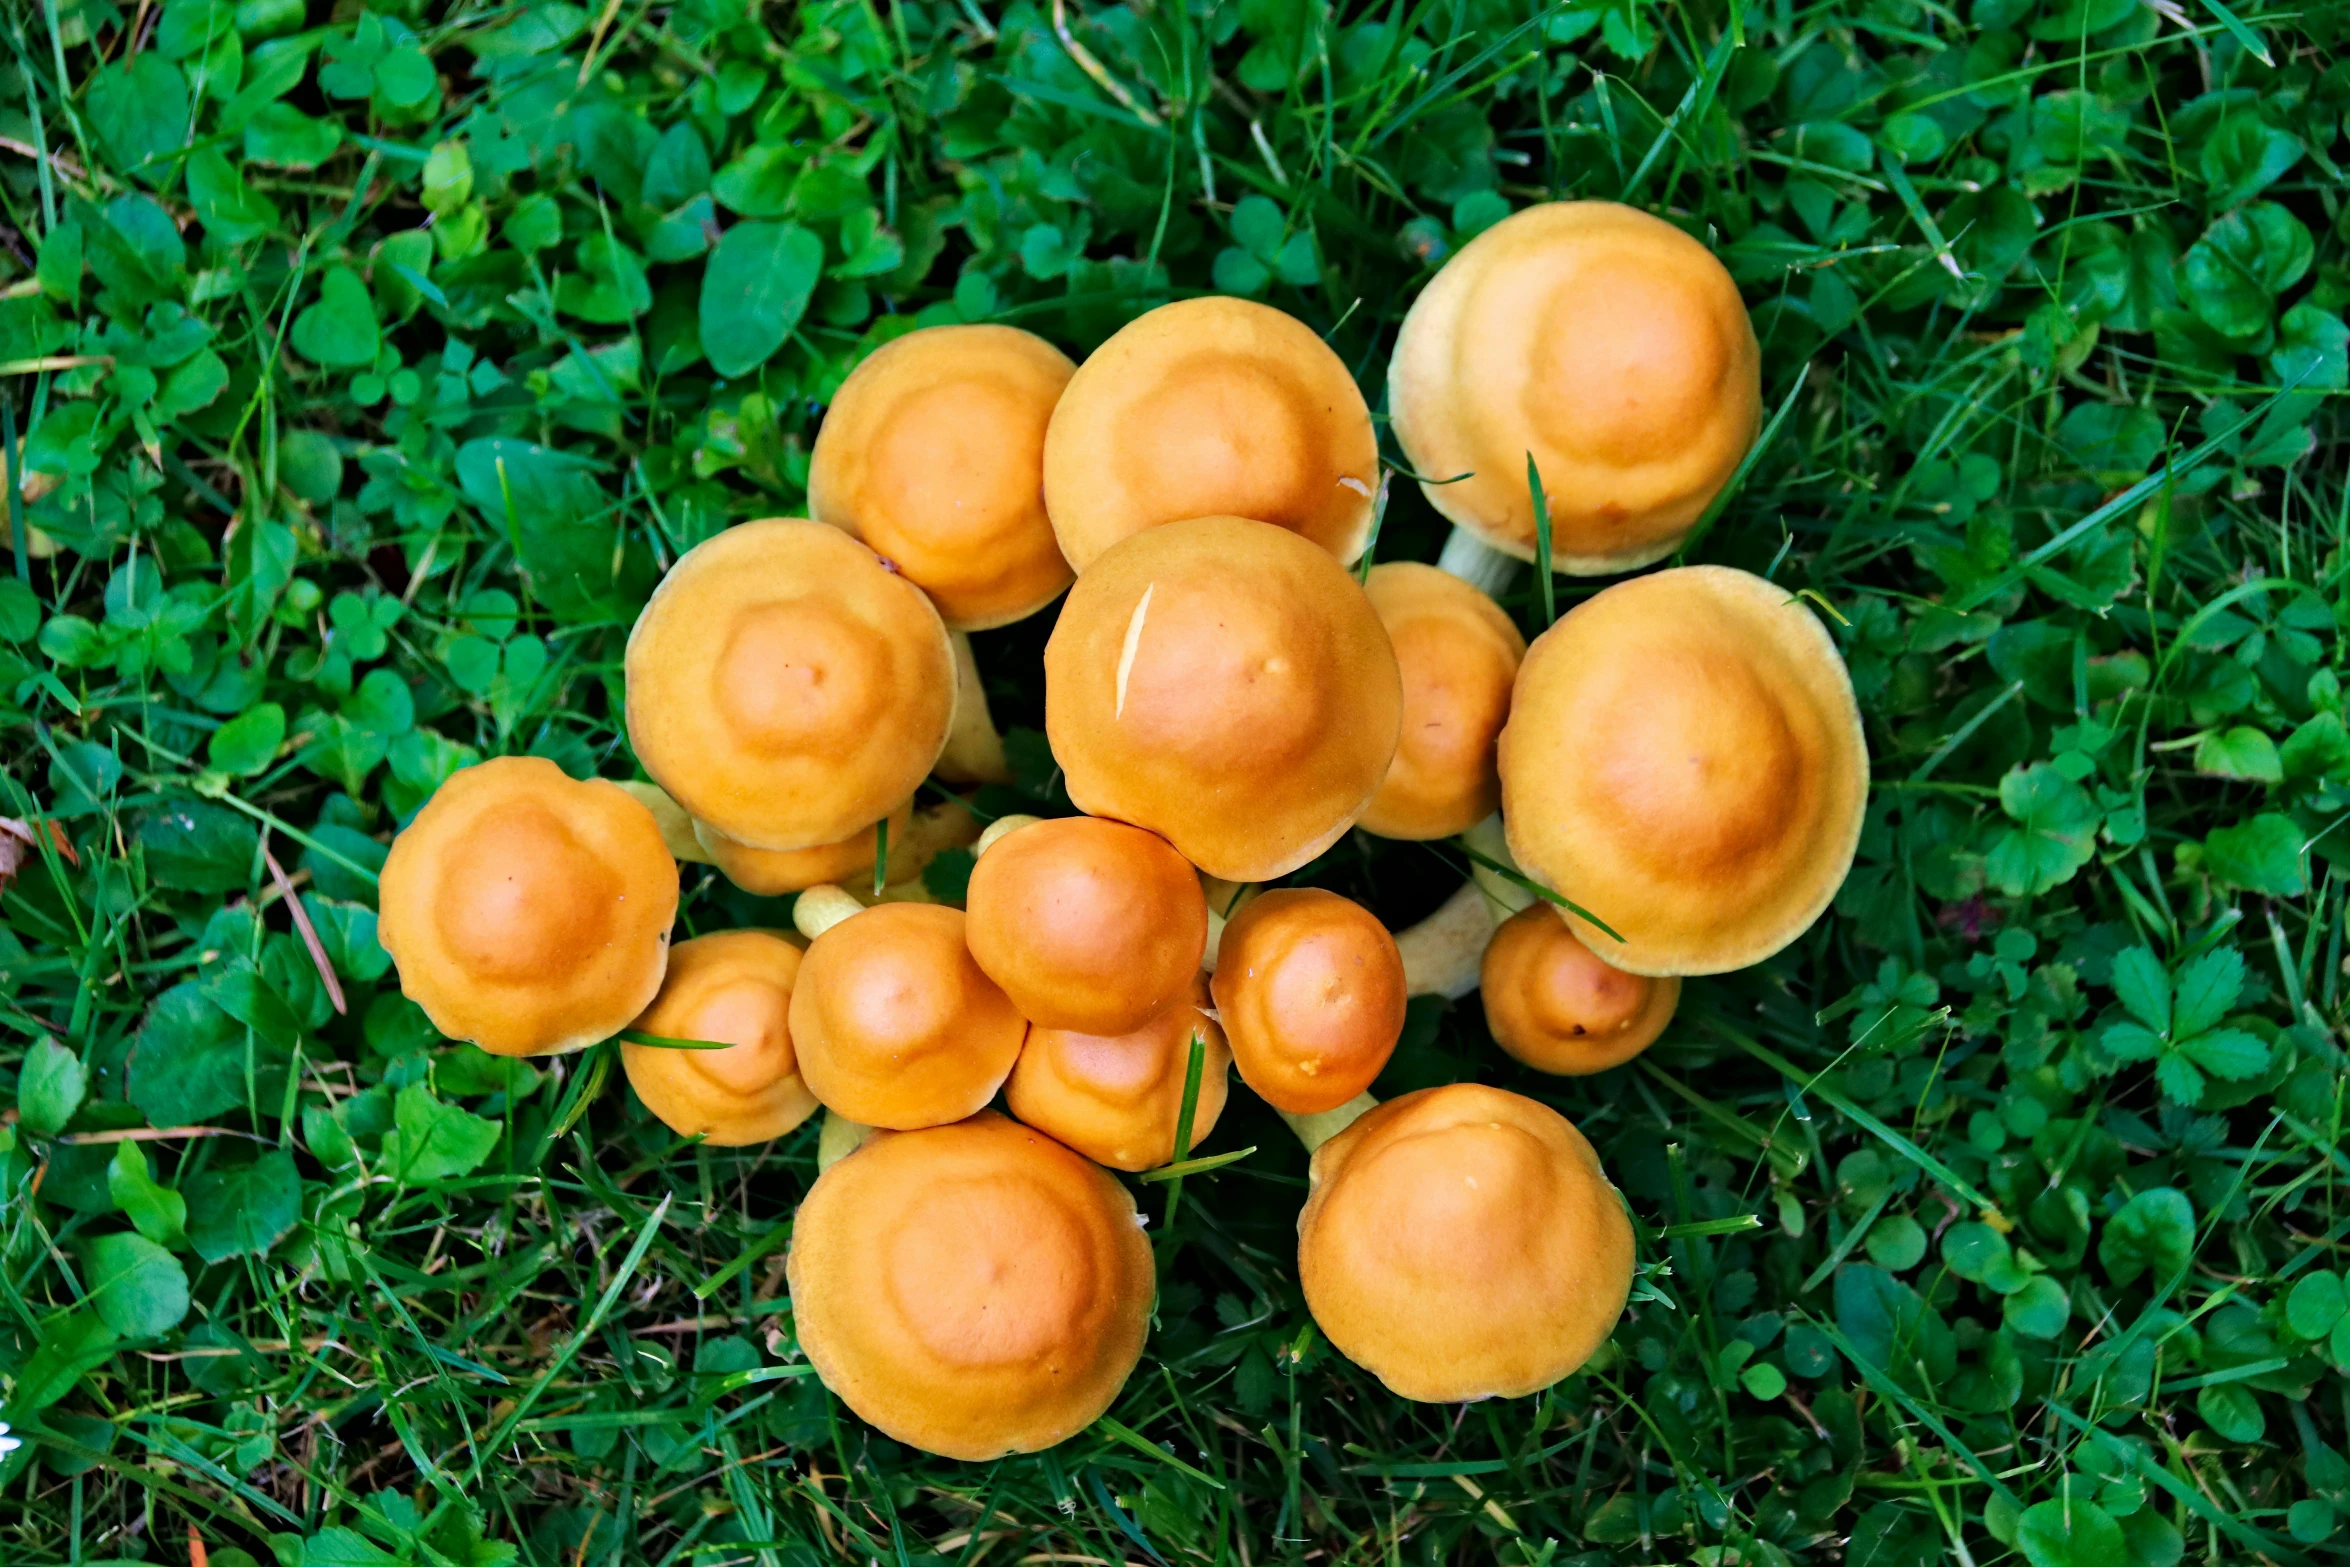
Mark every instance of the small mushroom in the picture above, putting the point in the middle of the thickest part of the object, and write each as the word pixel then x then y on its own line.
pixel 1604 345
pixel 1227 685
pixel 1463 1243
pixel 732 988
pixel 1552 1003
pixel 528 912
pixel 1310 989
pixel 786 687
pixel 893 1023
pixel 972 1290
pixel 933 454
pixel 1458 654
pixel 1119 1101
pixel 1090 926
pixel 1685 761
pixel 1211 407
pixel 773 872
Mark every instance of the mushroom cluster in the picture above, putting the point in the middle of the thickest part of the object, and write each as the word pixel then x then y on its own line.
pixel 1667 782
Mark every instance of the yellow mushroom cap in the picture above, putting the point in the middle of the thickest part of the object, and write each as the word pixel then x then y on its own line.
pixel 527 912
pixel 1227 685
pixel 1088 925
pixel 1604 342
pixel 732 988
pixel 1211 407
pixel 895 1026
pixel 971 1290
pixel 933 453
pixel 1684 759
pixel 786 687
pixel 1555 1005
pixel 1462 1243
pixel 773 872
pixel 1458 654
pixel 1310 989
pixel 1119 1100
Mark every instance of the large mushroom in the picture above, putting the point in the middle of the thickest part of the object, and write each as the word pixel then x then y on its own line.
pixel 1604 345
pixel 1226 684
pixel 972 1290
pixel 1463 1243
pixel 731 988
pixel 1555 1005
pixel 786 687
pixel 1119 1100
pixel 527 912
pixel 1684 760
pixel 1310 989
pixel 1458 654
pixel 1211 407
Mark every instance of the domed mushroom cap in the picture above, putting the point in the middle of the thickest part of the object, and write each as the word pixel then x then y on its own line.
pixel 528 912
pixel 1118 1101
pixel 1684 759
pixel 1554 1005
pixel 895 1026
pixel 1089 925
pixel 1310 989
pixel 787 687
pixel 1609 345
pixel 1205 408
pixel 1458 653
pixel 972 1290
pixel 732 988
pixel 773 872
pixel 1227 685
pixel 1462 1243
pixel 933 453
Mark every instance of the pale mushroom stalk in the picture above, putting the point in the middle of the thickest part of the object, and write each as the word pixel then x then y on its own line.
pixel 816 911
pixel 1317 1129
pixel 677 827
pixel 974 752
pixel 1478 563
pixel 839 1138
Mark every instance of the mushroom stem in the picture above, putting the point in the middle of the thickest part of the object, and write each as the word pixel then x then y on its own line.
pixel 1312 1130
pixel 1444 954
pixel 1225 899
pixel 677 828
pixel 840 1138
pixel 821 907
pixel 1478 563
pixel 974 751
pixel 998 829
pixel 1488 839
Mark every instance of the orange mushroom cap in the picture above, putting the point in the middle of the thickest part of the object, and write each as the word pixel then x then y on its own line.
pixel 933 453
pixel 1228 686
pixel 1463 1243
pixel 1310 989
pixel 527 912
pixel 1552 1003
pixel 1119 1101
pixel 732 988
pixel 773 872
pixel 1458 654
pixel 1211 407
pixel 1089 925
pixel 1604 342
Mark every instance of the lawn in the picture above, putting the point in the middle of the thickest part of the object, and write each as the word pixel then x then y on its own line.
pixel 371 364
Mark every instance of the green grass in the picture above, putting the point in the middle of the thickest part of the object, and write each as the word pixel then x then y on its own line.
pixel 2001 1218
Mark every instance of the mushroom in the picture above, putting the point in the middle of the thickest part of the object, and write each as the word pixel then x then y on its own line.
pixel 971 1290
pixel 1227 685
pixel 1602 345
pixel 1310 989
pixel 732 988
pixel 1119 1101
pixel 773 872
pixel 1211 407
pixel 1684 760
pixel 1463 1243
pixel 1458 654
pixel 528 913
pixel 893 1023
pixel 786 687
pixel 933 454
pixel 1553 1004
pixel 1090 926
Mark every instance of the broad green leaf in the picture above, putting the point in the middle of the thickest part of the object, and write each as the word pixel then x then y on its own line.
pixel 49 1085
pixel 2262 854
pixel 139 1289
pixel 248 743
pixel 188 1059
pixel 140 111
pixel 198 846
pixel 340 330
pixel 2207 990
pixel 2071 1532
pixel 2242 752
pixel 2054 836
pixel 158 1212
pixel 2244 155
pixel 2142 985
pixel 2318 1302
pixel 2038 1310
pixel 230 210
pixel 2231 1053
pixel 64 1347
pixel 754 290
pixel 241 1208
pixel 2232 1410
pixel 281 134
pixel 2154 1231
pixel 432 1141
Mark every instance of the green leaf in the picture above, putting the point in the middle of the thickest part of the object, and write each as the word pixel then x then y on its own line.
pixel 339 331
pixel 67 1345
pixel 2142 985
pixel 158 1212
pixel 49 1086
pixel 197 846
pixel 2232 275
pixel 2316 1304
pixel 139 1289
pixel 754 290
pixel 188 1059
pixel 230 210
pixel 2313 349
pixel 2071 1532
pixel 140 111
pixel 2207 990
pixel 281 134
pixel 2242 752
pixel 2232 1410
pixel 2262 854
pixel 2154 1230
pixel 2230 1053
pixel 2244 155
pixel 343 1548
pixel 192 386
pixel 432 1141
pixel 248 743
pixel 2054 836
pixel 245 1208
pixel 2038 1310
